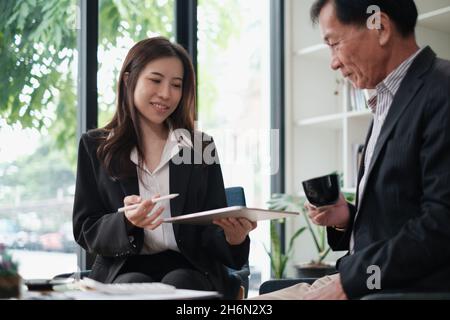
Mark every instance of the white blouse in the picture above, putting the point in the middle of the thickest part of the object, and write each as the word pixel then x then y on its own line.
pixel 157 182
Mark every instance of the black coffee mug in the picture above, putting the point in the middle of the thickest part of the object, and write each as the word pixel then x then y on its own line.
pixel 322 191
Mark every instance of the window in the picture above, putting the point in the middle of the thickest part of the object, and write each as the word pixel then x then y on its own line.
pixel 38 125
pixel 38 117
pixel 37 134
pixel 233 94
pixel 121 25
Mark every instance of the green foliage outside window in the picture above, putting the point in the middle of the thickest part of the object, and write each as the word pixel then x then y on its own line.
pixel 8 266
pixel 38 44
pixel 38 52
pixel 38 40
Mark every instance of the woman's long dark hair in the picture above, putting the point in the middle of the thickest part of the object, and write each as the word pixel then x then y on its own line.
pixel 123 132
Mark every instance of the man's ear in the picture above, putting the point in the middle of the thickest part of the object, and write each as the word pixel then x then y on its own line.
pixel 385 29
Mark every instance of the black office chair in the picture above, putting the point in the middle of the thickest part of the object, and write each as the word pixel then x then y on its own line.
pixel 278 284
pixel 236 197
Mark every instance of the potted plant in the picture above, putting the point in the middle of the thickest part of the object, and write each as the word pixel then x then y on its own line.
pixel 279 259
pixel 317 267
pixel 9 278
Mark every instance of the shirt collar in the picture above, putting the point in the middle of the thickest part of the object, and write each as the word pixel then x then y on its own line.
pixel 372 103
pixel 176 140
pixel 392 82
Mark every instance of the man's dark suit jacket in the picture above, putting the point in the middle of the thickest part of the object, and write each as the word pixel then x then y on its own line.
pixel 403 223
pixel 99 229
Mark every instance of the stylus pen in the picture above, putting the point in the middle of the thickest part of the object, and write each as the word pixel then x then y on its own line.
pixel 155 200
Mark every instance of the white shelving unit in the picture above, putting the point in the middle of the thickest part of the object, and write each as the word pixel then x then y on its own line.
pixel 324 131
pixel 321 133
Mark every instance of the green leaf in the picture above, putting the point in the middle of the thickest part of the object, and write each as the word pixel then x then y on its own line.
pixel 23 14
pixel 294 236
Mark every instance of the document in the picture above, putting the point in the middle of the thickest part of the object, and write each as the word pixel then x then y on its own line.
pixel 252 214
pixel 179 294
pixel 89 289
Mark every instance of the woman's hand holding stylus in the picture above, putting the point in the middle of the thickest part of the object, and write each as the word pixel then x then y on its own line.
pixel 140 216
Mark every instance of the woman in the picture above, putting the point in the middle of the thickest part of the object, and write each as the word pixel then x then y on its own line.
pixel 135 158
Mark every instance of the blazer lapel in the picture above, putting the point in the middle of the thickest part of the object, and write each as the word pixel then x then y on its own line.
pixel 178 181
pixel 408 89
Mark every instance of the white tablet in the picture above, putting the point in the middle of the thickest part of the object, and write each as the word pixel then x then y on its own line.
pixel 251 214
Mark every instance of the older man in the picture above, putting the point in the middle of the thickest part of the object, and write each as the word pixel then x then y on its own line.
pixel 398 233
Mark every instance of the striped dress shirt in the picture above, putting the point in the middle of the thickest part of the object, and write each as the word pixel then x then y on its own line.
pixel 379 105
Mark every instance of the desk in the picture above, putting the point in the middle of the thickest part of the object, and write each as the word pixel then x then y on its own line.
pixel 180 294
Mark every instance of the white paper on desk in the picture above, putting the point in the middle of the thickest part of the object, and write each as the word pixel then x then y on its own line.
pixel 179 294
pixel 252 214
